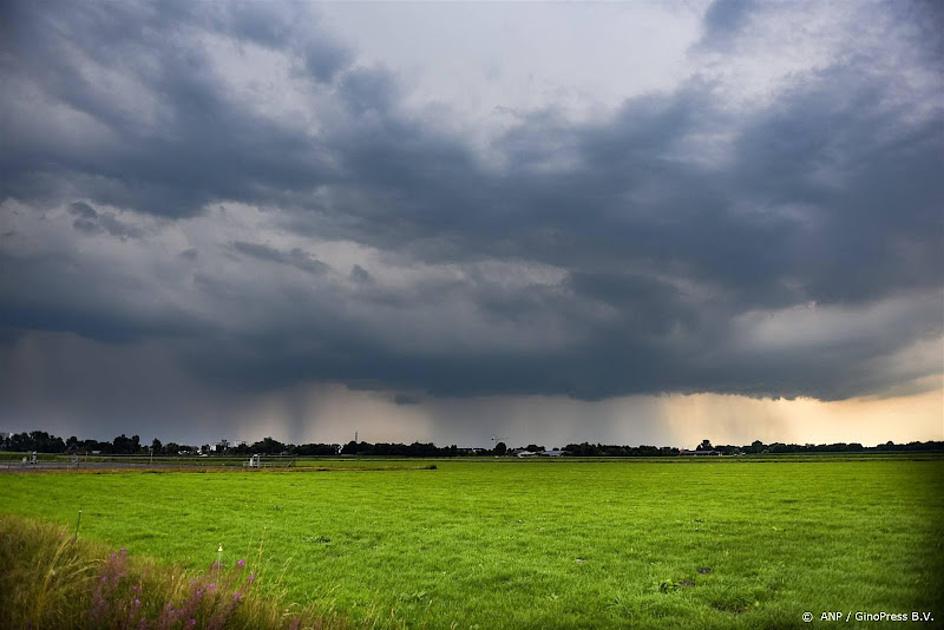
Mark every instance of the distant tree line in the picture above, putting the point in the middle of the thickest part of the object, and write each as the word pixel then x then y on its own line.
pixel 416 449
pixel 43 442
pixel 585 449
pixel 754 448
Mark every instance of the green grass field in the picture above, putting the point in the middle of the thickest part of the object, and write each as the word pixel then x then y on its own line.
pixel 572 543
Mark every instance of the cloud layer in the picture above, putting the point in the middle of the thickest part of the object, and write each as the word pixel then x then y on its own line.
pixel 271 201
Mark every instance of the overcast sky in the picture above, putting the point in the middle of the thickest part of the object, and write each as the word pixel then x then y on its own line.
pixel 628 222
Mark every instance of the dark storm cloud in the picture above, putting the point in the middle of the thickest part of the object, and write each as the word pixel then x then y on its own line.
pixel 723 20
pixel 674 225
pixel 203 144
pixel 295 257
pixel 83 211
pixel 55 293
pixel 277 27
pixel 359 274
pixel 89 220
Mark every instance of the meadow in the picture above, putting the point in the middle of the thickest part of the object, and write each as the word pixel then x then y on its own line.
pixel 553 544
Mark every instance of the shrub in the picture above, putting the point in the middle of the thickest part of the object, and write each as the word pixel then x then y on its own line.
pixel 48 579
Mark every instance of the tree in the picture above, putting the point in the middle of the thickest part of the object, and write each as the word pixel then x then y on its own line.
pixel 501 448
pixel 317 449
pixel 705 446
pixel 268 446
pixel 124 444
pixel 156 446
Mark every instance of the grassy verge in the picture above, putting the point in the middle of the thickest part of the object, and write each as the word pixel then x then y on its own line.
pixel 538 544
pixel 49 579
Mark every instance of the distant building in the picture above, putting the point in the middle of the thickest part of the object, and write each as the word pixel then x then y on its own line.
pixel 552 453
pixel 700 453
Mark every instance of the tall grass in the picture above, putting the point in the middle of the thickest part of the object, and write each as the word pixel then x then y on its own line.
pixel 50 579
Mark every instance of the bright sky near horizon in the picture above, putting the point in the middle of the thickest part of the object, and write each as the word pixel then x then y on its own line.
pixel 642 222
